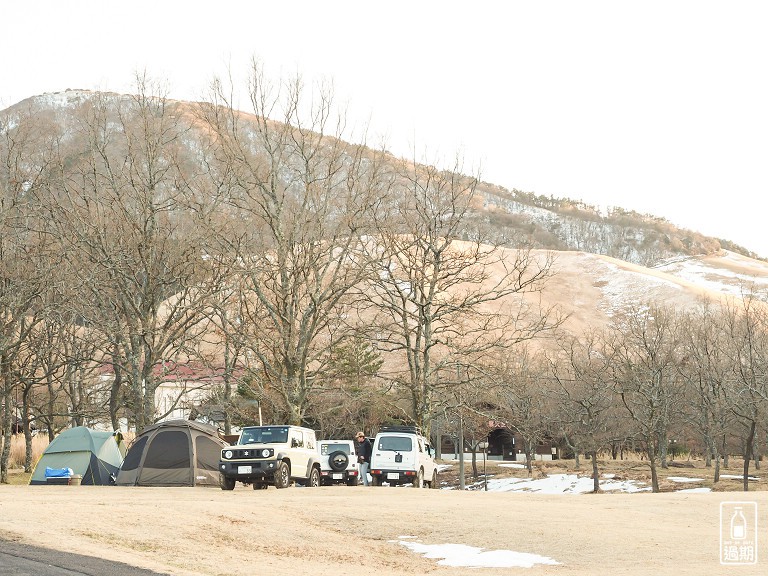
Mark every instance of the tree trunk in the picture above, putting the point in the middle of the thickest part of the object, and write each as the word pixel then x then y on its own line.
pixel 575 451
pixel 756 451
pixel 25 424
pixel 595 473
pixel 709 450
pixel 114 394
pixel 717 468
pixel 529 456
pixel 651 453
pixel 663 443
pixel 7 421
pixel 748 453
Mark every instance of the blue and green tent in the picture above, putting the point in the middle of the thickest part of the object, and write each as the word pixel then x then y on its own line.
pixel 94 455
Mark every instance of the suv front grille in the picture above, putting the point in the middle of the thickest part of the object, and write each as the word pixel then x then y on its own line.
pixel 246 454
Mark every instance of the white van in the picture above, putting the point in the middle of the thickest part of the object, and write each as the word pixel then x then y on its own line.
pixel 401 455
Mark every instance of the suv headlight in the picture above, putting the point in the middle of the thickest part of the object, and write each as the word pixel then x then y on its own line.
pixel 227 454
pixel 266 453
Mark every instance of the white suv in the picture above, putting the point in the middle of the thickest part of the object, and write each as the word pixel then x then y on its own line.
pixel 265 455
pixel 338 463
pixel 401 455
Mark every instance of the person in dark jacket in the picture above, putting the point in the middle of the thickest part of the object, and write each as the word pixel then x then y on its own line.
pixel 363 450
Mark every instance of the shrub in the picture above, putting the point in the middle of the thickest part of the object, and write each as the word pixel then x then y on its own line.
pixel 676 450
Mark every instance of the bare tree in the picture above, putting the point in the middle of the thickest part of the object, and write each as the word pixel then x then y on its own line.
pixel 746 328
pixel 523 397
pixel 300 199
pixel 25 252
pixel 643 347
pixel 121 210
pixel 440 290
pixel 706 369
pixel 587 414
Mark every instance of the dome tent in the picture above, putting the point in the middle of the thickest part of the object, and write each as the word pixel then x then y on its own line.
pixel 173 453
pixel 91 454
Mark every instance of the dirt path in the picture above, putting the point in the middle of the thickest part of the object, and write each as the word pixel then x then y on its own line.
pixel 348 531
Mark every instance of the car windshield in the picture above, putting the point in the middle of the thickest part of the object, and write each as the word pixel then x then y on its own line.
pixel 331 448
pixel 396 443
pixel 264 435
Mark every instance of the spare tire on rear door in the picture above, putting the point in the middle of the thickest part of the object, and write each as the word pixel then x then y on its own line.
pixel 338 461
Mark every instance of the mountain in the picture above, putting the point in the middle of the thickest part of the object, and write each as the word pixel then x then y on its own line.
pixel 594 288
pixel 605 261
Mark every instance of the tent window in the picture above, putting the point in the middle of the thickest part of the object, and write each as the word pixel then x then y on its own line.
pixel 133 457
pixel 168 449
pixel 208 453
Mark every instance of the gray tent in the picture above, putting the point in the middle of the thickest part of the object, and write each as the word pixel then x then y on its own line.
pixel 93 455
pixel 173 453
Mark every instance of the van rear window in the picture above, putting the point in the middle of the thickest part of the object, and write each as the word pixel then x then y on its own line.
pixel 396 443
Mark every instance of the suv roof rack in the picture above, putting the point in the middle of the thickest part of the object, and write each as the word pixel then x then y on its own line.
pixel 401 428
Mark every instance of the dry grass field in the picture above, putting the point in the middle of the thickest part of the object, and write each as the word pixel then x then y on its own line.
pixel 346 531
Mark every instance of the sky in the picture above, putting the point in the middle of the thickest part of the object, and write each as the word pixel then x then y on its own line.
pixel 656 106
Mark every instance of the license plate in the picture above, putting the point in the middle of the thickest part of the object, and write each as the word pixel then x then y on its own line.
pixel 393 475
pixel 244 469
pixel 338 476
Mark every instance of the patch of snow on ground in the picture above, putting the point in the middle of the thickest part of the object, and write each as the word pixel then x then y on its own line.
pixel 460 555
pixel 560 484
pixel 684 479
pixel 738 477
pixel 718 279
pixel 511 465
pixel 620 287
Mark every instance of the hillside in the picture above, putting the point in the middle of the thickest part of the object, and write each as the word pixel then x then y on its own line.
pixel 513 217
pixel 605 263
pixel 593 288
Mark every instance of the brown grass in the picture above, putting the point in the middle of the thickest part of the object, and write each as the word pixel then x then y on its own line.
pixel 18 449
pixel 347 531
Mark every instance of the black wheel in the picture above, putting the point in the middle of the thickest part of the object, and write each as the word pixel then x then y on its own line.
pixel 314 478
pixel 419 481
pixel 226 483
pixel 282 475
pixel 433 483
pixel 338 461
pixel 375 480
pixel 352 481
pixel 259 486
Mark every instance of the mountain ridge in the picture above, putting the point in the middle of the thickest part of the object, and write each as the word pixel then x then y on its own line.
pixel 537 221
pixel 615 258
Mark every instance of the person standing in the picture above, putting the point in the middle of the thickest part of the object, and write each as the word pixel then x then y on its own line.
pixel 363 450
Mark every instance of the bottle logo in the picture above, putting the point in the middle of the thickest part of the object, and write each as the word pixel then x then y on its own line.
pixel 738 533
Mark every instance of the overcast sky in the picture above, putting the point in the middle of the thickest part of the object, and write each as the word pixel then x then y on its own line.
pixel 655 106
